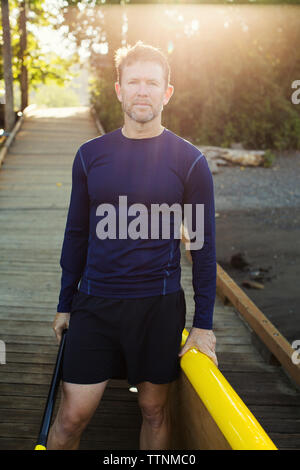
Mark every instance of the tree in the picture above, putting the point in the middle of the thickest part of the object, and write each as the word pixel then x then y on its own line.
pixel 30 66
pixel 9 115
pixel 23 46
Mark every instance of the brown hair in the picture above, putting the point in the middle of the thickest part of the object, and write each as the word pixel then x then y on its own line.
pixel 140 52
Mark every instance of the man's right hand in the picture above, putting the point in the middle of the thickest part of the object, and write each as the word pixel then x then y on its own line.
pixel 61 322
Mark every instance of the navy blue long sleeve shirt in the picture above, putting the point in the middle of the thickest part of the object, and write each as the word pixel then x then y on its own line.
pixel 165 169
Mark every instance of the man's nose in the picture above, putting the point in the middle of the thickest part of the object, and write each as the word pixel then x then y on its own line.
pixel 142 89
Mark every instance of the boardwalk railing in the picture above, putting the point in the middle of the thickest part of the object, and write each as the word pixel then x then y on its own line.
pixel 274 341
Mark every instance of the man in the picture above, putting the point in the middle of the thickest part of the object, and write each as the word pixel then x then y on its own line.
pixel 126 317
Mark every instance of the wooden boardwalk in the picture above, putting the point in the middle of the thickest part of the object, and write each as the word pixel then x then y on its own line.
pixel 35 183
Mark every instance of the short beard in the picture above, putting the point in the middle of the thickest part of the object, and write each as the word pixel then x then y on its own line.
pixel 133 115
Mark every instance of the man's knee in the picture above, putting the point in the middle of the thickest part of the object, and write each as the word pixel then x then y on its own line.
pixel 153 413
pixel 72 421
pixel 152 400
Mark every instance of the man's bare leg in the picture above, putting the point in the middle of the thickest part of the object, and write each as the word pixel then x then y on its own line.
pixel 155 430
pixel 77 406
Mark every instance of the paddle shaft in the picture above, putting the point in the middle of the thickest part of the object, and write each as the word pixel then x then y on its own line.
pixel 48 411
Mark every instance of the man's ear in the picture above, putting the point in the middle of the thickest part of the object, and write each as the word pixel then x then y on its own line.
pixel 168 93
pixel 118 90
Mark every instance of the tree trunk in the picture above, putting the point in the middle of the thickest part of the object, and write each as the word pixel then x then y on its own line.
pixel 9 115
pixel 23 46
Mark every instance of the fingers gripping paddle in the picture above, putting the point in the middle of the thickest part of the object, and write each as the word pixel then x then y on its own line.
pixel 48 411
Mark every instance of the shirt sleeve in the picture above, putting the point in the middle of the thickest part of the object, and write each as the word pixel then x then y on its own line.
pixel 76 236
pixel 199 190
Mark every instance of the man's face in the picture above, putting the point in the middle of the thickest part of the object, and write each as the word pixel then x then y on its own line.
pixel 142 93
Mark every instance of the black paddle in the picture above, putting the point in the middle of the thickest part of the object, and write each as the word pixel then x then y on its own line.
pixel 48 411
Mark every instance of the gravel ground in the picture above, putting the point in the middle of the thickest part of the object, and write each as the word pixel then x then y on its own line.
pixel 257 187
pixel 258 215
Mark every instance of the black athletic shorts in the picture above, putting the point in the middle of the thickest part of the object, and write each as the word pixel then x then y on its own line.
pixel 134 339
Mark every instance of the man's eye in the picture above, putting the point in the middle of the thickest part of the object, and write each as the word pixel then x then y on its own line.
pixel 133 82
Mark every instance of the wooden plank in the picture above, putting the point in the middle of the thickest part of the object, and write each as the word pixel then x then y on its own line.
pixel 282 413
pixel 25 358
pixel 21 425
pixel 17 444
pixel 266 331
pixel 46 316
pixel 130 413
pixel 115 384
pixel 27 368
pixel 22 389
pixel 13 327
pixel 267 379
pixel 109 433
pixel 85 444
pixel 32 403
pixel 27 340
pixel 25 348
pixel 285 441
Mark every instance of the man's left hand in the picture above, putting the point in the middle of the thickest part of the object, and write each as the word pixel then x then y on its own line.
pixel 203 340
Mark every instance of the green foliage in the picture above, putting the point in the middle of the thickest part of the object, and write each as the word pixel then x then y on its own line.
pixel 232 68
pixel 43 67
pixel 232 76
pixel 53 95
pixel 269 158
pixel 104 99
